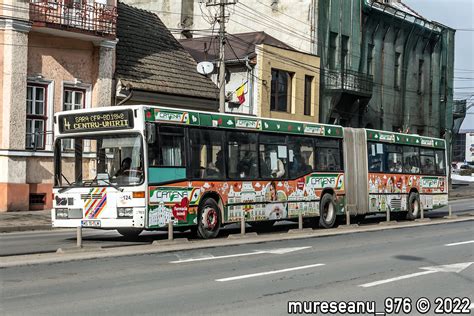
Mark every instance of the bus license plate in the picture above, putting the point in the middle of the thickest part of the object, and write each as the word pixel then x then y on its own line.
pixel 90 223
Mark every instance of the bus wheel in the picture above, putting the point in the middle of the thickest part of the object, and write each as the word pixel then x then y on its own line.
pixel 129 232
pixel 327 211
pixel 209 219
pixel 413 206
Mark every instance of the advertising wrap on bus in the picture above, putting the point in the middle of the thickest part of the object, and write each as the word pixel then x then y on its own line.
pixel 145 167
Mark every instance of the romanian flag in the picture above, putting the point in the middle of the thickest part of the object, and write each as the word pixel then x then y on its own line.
pixel 240 92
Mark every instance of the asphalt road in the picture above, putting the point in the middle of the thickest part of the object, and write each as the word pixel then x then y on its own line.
pixel 49 241
pixel 254 279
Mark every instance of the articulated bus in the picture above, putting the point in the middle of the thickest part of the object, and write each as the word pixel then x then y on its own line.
pixel 135 168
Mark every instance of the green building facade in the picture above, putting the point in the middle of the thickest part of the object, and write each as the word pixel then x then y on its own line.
pixel 385 66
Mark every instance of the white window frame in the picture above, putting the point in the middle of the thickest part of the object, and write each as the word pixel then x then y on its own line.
pixel 34 117
pixel 87 100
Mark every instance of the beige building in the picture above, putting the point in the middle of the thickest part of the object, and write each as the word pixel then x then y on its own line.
pixel 277 81
pixel 54 56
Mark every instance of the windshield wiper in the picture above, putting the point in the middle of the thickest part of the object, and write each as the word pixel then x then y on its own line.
pixel 71 185
pixel 116 187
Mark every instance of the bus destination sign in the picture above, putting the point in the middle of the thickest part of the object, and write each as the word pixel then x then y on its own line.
pixel 95 121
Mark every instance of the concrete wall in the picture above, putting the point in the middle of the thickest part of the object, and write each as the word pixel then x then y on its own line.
pixel 269 57
pixel 292 22
pixel 61 61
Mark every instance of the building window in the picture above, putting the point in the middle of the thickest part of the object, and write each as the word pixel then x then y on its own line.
pixel 35 116
pixel 308 85
pixel 332 50
pixel 370 59
pixel 398 73
pixel 420 75
pixel 73 99
pixel 344 52
pixel 281 90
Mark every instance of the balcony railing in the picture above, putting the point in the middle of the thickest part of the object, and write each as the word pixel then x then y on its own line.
pixel 96 18
pixel 348 81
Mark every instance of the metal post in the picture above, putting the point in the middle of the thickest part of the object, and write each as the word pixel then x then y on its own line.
pixel 170 229
pixel 348 218
pixel 450 210
pixel 222 57
pixel 242 224
pixel 422 215
pixel 79 236
pixel 388 214
pixel 300 221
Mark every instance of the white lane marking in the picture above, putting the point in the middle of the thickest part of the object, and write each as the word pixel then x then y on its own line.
pixel 460 243
pixel 246 276
pixel 453 268
pixel 397 278
pixel 218 257
pixel 471 306
pixel 278 251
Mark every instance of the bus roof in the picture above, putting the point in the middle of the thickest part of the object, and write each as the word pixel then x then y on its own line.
pixel 404 139
pixel 236 121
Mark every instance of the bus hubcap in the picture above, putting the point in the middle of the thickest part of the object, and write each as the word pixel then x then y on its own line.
pixel 209 218
pixel 329 212
pixel 414 207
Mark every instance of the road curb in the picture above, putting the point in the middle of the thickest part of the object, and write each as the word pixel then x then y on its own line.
pixel 48 258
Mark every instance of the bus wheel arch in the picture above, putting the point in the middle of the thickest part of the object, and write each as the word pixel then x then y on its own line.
pixel 327 209
pixel 413 205
pixel 209 219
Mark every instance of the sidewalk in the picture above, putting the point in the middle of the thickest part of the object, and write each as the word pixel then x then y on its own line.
pixel 25 220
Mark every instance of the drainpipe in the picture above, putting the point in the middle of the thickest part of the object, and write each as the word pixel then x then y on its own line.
pixel 382 73
pixel 404 74
pixel 251 84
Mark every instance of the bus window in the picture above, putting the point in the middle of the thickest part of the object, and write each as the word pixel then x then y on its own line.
pixel 427 160
pixel 394 158
pixel 300 156
pixel 242 161
pixel 168 149
pixel 328 155
pixel 375 157
pixel 273 156
pixel 440 162
pixel 207 156
pixel 411 162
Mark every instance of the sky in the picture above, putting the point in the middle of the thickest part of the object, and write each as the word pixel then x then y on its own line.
pixel 457 14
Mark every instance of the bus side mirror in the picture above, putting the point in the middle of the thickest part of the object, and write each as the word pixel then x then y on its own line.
pixel 150 132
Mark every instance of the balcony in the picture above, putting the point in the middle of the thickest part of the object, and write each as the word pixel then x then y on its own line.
pixel 348 81
pixel 78 16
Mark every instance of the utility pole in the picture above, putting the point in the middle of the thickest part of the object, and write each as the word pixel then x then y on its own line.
pixel 222 37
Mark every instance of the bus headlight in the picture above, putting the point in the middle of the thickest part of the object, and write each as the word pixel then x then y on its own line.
pixel 61 213
pixel 125 212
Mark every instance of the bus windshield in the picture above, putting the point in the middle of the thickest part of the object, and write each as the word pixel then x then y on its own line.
pixel 103 160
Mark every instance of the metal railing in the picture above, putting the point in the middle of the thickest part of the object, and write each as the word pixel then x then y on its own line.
pixel 348 80
pixel 93 17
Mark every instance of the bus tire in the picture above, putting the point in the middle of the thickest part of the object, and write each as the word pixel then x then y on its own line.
pixel 129 232
pixel 413 207
pixel 327 211
pixel 209 219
